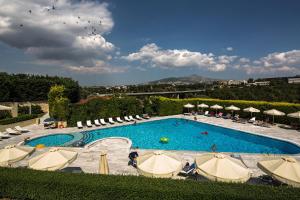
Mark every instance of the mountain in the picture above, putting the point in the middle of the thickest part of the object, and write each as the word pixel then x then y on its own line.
pixel 184 80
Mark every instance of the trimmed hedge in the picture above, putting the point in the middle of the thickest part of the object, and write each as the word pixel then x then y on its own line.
pixel 16 183
pixel 166 106
pixel 104 108
pixel 17 119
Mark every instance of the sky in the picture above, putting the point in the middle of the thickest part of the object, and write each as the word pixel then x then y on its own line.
pixel 113 42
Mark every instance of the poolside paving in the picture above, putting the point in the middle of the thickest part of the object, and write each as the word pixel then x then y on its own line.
pixel 118 149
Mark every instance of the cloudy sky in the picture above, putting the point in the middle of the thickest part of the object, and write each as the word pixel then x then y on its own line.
pixel 124 42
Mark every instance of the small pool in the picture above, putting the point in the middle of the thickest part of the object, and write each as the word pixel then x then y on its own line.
pixel 182 134
pixel 51 140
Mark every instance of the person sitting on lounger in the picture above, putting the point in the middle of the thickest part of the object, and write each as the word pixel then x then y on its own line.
pixel 132 158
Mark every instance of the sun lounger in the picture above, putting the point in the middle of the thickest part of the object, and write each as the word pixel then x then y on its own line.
pixel 97 123
pixel 188 169
pixel 252 120
pixel 4 135
pixel 102 121
pixel 206 113
pixel 111 121
pixel 20 129
pixel 119 120
pixel 12 132
pixel 138 117
pixel 127 119
pixel 241 120
pixel 131 118
pixel 228 116
pixel 219 115
pixel 89 123
pixel 79 124
pixel 146 116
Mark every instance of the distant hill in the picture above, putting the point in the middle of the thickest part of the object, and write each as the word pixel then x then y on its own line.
pixel 184 80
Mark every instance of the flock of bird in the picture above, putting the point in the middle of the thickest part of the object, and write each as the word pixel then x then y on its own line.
pixel 89 27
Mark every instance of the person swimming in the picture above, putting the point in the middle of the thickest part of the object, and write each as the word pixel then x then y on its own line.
pixel 204 133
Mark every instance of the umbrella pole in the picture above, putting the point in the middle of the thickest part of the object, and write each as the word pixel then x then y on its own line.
pixel 273 119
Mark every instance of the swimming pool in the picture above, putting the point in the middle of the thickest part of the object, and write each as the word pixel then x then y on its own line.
pixel 51 140
pixel 190 135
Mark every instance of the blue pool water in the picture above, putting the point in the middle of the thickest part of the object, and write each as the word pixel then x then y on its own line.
pixel 51 140
pixel 187 135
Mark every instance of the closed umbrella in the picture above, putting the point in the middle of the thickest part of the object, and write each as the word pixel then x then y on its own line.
pixel 274 113
pixel 220 167
pixel 188 106
pixel 158 164
pixel 103 165
pixel 232 108
pixel 12 153
pixel 285 170
pixel 251 110
pixel 52 160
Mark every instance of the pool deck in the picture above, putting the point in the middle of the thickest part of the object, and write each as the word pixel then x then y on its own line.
pixel 118 149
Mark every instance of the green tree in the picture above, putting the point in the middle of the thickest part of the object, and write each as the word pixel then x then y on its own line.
pixel 58 103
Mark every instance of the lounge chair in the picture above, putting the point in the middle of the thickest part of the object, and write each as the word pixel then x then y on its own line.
pixel 252 120
pixel 102 121
pixel 97 123
pixel 127 119
pixel 12 132
pixel 4 135
pixel 146 116
pixel 206 113
pixel 89 123
pixel 111 121
pixel 212 114
pixel 131 118
pixel 119 120
pixel 188 169
pixel 20 129
pixel 228 116
pixel 138 117
pixel 219 115
pixel 79 124
pixel 236 117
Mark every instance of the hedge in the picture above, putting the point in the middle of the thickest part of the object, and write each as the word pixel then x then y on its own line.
pixel 104 108
pixel 167 106
pixel 17 119
pixel 17 183
pixel 35 109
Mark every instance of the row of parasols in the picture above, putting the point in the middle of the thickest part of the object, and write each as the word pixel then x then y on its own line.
pixel 232 108
pixel 161 164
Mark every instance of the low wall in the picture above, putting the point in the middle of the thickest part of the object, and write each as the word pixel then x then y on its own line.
pixel 23 123
pixel 44 104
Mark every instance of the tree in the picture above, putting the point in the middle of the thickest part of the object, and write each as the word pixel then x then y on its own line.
pixel 58 103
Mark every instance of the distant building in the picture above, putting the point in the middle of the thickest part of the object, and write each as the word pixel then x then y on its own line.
pixel 236 82
pixel 262 83
pixel 294 80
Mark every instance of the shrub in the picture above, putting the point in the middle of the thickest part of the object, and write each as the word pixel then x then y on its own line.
pixel 5 114
pixel 58 103
pixel 17 119
pixel 166 106
pixel 35 109
pixel 29 184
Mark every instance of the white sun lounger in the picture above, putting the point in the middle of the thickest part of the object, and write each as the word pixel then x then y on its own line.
pixel 138 117
pixel 102 122
pixel 119 120
pixel 12 132
pixel 4 135
pixel 20 129
pixel 146 116
pixel 79 124
pixel 131 118
pixel 252 120
pixel 110 120
pixel 97 123
pixel 89 123
pixel 127 119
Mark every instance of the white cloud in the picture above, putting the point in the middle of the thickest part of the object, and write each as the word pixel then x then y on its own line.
pixel 71 33
pixel 229 48
pixel 99 67
pixel 179 58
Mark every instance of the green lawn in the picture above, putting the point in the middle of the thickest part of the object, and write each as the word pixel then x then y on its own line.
pixel 29 184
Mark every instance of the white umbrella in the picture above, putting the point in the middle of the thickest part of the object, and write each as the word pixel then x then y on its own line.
pixel 52 160
pixel 251 110
pixel 294 115
pixel 202 105
pixel 188 106
pixel 274 112
pixel 285 169
pixel 12 153
pixel 158 164
pixel 220 167
pixel 5 107
pixel 232 108
pixel 216 107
